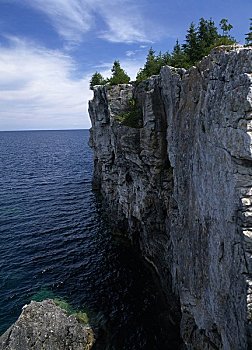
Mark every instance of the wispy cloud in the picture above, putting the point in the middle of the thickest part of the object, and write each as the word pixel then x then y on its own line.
pixel 112 20
pixel 38 90
pixel 71 18
pixel 125 22
pixel 130 53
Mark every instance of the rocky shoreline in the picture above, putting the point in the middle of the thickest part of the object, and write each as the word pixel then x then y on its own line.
pixel 44 325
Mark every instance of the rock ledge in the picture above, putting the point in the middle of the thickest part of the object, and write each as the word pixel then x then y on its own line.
pixel 43 325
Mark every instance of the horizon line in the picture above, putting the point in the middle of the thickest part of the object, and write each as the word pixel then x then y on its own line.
pixel 43 130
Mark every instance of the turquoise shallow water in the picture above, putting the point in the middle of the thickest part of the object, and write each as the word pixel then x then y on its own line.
pixel 55 242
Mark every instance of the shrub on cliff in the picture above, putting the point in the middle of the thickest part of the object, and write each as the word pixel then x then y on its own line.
pixel 132 116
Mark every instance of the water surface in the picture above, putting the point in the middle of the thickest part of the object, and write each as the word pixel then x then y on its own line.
pixel 54 240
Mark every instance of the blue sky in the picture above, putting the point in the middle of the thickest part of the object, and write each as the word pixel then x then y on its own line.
pixel 50 48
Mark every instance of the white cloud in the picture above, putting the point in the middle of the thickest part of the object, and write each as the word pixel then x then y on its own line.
pixel 124 21
pixel 38 91
pixel 113 20
pixel 71 18
pixel 130 53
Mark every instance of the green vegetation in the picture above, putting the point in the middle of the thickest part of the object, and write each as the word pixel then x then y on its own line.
pixel 80 315
pixel 198 43
pixel 43 294
pixel 132 116
pixel 153 64
pixel 248 38
pixel 225 26
pixel 119 76
pixel 97 79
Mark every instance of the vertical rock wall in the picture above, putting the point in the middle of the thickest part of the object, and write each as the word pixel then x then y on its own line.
pixel 181 187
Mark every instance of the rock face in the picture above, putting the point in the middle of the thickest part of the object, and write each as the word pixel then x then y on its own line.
pixel 44 325
pixel 181 187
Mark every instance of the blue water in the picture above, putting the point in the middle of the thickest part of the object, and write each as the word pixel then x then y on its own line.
pixel 55 241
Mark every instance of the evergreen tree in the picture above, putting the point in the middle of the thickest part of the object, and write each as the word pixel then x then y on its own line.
pixel 248 38
pixel 96 79
pixel 162 60
pixel 166 59
pixel 212 33
pixel 198 43
pixel 118 75
pixel 191 47
pixel 151 66
pixel 207 35
pixel 141 75
pixel 178 57
pixel 225 26
pixel 159 61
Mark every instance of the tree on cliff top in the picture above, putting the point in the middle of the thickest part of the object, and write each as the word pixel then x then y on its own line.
pixel 248 38
pixel 119 76
pixel 178 58
pixel 96 79
pixel 225 26
pixel 207 36
pixel 153 64
pixel 199 41
pixel 191 47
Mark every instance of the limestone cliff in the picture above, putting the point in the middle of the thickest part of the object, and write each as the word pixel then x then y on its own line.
pixel 46 326
pixel 180 185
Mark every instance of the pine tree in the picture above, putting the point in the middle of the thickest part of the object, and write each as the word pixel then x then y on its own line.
pixel 141 75
pixel 207 35
pixel 166 57
pixel 198 43
pixel 96 79
pixel 178 57
pixel 225 26
pixel 151 66
pixel 248 39
pixel 119 76
pixel 212 33
pixel 191 47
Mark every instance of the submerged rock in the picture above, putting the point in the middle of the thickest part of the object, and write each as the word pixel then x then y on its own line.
pixel 43 325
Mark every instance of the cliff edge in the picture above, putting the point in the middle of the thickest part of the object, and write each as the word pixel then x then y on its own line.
pixel 180 184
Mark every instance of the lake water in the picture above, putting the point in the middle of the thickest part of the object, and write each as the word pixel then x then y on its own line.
pixel 55 243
